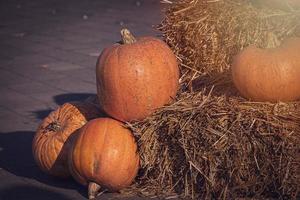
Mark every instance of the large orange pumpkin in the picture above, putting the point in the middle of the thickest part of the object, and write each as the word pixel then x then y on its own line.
pixel 136 77
pixel 52 140
pixel 104 154
pixel 269 74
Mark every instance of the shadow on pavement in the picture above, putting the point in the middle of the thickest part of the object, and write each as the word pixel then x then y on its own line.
pixel 63 98
pixel 16 158
pixel 41 114
pixel 60 100
pixel 30 193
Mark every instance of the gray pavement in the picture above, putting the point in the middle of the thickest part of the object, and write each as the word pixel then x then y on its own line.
pixel 48 51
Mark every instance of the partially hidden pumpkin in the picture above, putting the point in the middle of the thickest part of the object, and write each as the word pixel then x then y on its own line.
pixel 52 140
pixel 104 154
pixel 269 74
pixel 136 77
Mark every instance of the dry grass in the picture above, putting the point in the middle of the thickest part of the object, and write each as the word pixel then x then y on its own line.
pixel 208 146
pixel 211 143
pixel 205 35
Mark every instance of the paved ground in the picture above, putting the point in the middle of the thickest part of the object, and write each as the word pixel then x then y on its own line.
pixel 48 50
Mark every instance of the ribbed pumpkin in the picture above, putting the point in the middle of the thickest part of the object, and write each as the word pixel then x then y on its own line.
pixel 104 154
pixel 52 140
pixel 136 77
pixel 269 74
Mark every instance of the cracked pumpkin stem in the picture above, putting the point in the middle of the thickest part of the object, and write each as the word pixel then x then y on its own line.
pixel 127 37
pixel 93 190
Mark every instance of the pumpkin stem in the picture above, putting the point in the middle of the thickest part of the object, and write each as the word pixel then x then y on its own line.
pixel 54 126
pixel 93 190
pixel 127 37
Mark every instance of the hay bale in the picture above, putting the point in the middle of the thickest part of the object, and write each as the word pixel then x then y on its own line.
pixel 212 143
pixel 205 146
pixel 206 34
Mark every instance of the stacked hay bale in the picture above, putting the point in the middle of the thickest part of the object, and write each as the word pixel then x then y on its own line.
pixel 211 143
pixel 218 147
pixel 206 34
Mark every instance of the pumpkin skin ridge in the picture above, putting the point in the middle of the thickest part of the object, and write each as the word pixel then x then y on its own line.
pixel 82 157
pixel 129 179
pixel 108 54
pixel 135 168
pixel 99 157
pixel 123 107
pixel 279 68
pixel 133 172
pixel 138 78
pixel 251 48
pixel 84 161
pixel 46 160
pixel 101 129
pixel 175 60
pixel 126 145
pixel 150 96
pixel 50 146
pixel 147 79
pixel 104 57
pixel 176 85
pixel 105 151
pixel 40 156
pixel 75 173
pixel 80 152
pixel 111 52
pixel 117 81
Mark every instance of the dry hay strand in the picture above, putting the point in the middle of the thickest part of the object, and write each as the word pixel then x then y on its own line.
pixel 214 144
pixel 205 146
pixel 205 35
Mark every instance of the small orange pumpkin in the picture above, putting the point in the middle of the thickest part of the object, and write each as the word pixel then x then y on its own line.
pixel 52 140
pixel 269 74
pixel 104 154
pixel 136 77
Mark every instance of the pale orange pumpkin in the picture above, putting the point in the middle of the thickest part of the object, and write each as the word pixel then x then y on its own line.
pixel 136 77
pixel 51 142
pixel 104 154
pixel 269 74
